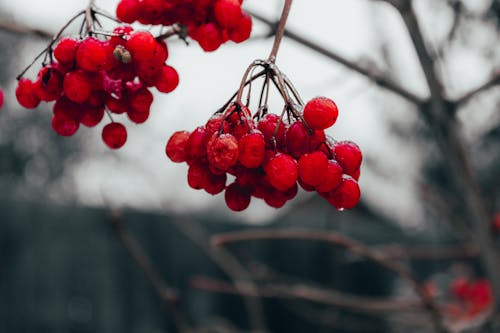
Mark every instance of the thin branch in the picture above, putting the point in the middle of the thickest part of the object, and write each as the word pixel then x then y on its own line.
pixel 312 294
pixel 493 82
pixel 347 243
pixel 24 30
pixel 280 31
pixel 167 294
pixel 234 270
pixel 439 114
pixel 372 74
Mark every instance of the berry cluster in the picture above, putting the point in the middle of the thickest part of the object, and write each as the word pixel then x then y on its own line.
pixel 473 296
pixel 269 156
pixel 87 77
pixel 210 22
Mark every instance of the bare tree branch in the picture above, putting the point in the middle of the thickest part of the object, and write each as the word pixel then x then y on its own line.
pixel 23 30
pixel 313 294
pixel 493 82
pixel 371 73
pixel 167 294
pixel 347 243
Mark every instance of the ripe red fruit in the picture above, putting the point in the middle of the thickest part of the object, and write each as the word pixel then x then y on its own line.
pixel 26 94
pixel 333 177
pixel 227 13
pixel 320 113
pixel 196 145
pixel 65 50
pixel 242 31
pixel 215 183
pixel 297 139
pixel 128 11
pixel 64 124
pixel 77 86
pixel 346 195
pixel 197 176
pixel 313 168
pixel 142 45
pixel 282 171
pixel 209 37
pixel 496 222
pixel 93 55
pixel 141 100
pixel 91 116
pixel 49 84
pixel 252 150
pixel 137 117
pixel 349 156
pixel 176 146
pixel 222 151
pixel 267 125
pixel 114 135
pixel 167 80
pixel 237 197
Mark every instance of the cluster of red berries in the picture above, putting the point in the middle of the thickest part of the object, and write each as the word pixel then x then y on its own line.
pixel 269 157
pixel 210 22
pixel 89 76
pixel 474 297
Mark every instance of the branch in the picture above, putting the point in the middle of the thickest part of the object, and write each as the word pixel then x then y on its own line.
pixel 342 241
pixel 493 82
pixel 439 114
pixel 280 30
pixel 312 294
pixel 23 30
pixel 167 294
pixel 228 264
pixel 375 76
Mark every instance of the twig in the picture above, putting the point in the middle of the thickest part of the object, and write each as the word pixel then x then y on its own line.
pixel 280 31
pixel 312 294
pixel 375 76
pixel 494 81
pixel 441 119
pixel 21 29
pixel 347 243
pixel 238 274
pixel 167 294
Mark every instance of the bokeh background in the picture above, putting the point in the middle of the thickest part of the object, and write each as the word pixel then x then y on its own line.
pixel 62 268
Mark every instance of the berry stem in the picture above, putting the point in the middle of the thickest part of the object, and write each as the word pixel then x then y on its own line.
pixel 280 31
pixel 88 16
pixel 253 78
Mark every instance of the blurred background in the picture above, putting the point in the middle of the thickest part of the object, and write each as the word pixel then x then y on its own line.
pixel 62 268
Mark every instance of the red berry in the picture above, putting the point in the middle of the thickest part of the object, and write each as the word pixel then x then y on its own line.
pixel 346 195
pixel 227 13
pixel 196 147
pixel 128 11
pixel 349 156
pixel 209 37
pixel 237 197
pixel 77 86
pixel 215 184
pixel 93 55
pixel 333 177
pixel 64 124
pixel 142 45
pixel 297 139
pixel 320 113
pixel 496 222
pixel 242 31
pixel 222 151
pixel 137 117
pixel 91 115
pixel 313 168
pixel 252 150
pixel 167 80
pixel 282 171
pixel 197 176
pixel 65 50
pixel 176 146
pixel 267 125
pixel 114 135
pixel 141 100
pixel 26 94
pixel 49 84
